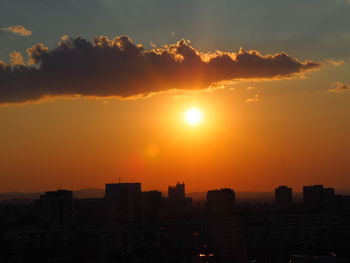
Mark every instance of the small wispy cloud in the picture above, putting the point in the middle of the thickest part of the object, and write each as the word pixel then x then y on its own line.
pixel 338 87
pixel 16 59
pixel 153 44
pixel 335 62
pixel 18 29
pixel 256 98
pixel 64 38
pixel 250 88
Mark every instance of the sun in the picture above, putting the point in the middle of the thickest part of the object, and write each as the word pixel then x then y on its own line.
pixel 193 116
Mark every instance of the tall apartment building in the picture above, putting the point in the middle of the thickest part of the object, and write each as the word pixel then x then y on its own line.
pixel 56 208
pixel 177 191
pixel 220 201
pixel 123 200
pixel 283 196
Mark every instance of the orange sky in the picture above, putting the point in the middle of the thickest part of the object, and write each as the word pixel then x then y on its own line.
pixel 288 139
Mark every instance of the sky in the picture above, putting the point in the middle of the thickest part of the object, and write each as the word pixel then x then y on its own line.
pixel 94 91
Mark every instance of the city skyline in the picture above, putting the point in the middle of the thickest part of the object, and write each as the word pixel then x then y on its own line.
pixel 129 224
pixel 178 190
pixel 298 189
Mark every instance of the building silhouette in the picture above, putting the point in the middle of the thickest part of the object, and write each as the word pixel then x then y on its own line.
pixel 317 197
pixel 151 205
pixel 123 201
pixel 56 208
pixel 312 193
pixel 177 203
pixel 220 201
pixel 177 191
pixel 317 193
pixel 283 196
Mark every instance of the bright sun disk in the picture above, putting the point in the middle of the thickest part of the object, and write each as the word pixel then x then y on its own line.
pixel 193 116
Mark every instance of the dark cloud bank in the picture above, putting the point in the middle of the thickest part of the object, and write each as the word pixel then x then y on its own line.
pixel 120 68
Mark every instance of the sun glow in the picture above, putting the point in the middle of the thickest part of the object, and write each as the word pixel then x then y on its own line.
pixel 193 116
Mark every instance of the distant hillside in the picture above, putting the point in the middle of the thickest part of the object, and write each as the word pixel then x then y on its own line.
pixel 18 195
pixel 81 193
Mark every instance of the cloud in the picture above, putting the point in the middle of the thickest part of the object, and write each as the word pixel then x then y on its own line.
pixel 20 30
pixel 123 69
pixel 256 98
pixel 338 87
pixel 335 62
pixel 16 58
pixel 250 88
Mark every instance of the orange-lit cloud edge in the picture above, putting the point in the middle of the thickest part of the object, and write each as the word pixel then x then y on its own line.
pixel 120 69
pixel 17 29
